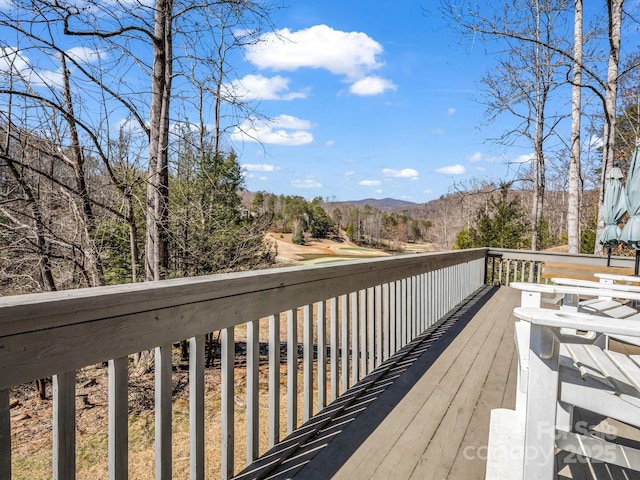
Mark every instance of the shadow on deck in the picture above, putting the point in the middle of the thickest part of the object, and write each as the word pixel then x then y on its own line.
pixel 422 414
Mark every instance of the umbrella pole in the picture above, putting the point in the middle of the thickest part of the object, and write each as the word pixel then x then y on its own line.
pixel 637 263
pixel 609 257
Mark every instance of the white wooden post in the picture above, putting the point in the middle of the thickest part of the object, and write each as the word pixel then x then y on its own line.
pixel 253 370
pixel 196 407
pixel 64 426
pixel 5 435
pixel 163 390
pixel 307 334
pixel 227 390
pixel 335 345
pixel 274 380
pixel 379 326
pixel 364 328
pixel 371 330
pixel 118 418
pixel 292 370
pixel 386 322
pixel 345 315
pixel 355 351
pixel 322 354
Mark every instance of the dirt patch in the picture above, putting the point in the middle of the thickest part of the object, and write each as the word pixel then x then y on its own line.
pixel 289 252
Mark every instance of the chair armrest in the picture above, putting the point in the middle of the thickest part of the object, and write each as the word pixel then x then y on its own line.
pixel 578 321
pixel 591 284
pixel 602 290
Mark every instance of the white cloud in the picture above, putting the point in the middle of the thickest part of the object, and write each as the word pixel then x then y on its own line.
pixel 451 111
pixel 452 170
pixel 595 141
pixel 306 183
pixel 86 55
pixel 259 167
pixel 527 158
pixel 372 85
pixel 281 130
pixel 369 183
pixel 404 173
pixel 329 143
pixel 352 55
pixel 349 173
pixel 436 131
pixel 476 157
pixel 259 87
pixel 342 53
pixel 15 61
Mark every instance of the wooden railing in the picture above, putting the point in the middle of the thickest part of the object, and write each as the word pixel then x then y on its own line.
pixel 505 266
pixel 372 309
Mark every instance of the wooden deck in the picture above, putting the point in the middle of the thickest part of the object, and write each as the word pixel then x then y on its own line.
pixel 428 420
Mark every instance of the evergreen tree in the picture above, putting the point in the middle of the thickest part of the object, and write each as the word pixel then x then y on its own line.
pixel 500 225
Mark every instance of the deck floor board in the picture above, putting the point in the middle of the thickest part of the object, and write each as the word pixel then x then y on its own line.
pixel 430 420
pixel 445 410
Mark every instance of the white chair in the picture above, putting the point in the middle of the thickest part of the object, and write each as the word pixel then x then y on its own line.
pixel 522 442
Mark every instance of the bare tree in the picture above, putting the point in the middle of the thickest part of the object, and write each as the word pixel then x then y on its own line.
pixel 573 207
pixel 614 10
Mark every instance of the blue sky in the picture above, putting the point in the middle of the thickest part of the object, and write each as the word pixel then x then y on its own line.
pixel 368 99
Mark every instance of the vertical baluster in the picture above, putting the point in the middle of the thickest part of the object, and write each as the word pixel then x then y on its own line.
pixel 274 380
pixel 118 418
pixel 362 325
pixel 64 426
pixel 379 327
pixel 335 345
pixel 344 319
pixel 398 314
pixel 423 303
pixel 228 360
pixel 196 406
pixel 439 280
pixel 163 389
pixel 5 435
pixel 414 307
pixel 322 355
pixel 386 322
pixel 307 335
pixel 355 331
pixel 292 370
pixel 393 346
pixel 403 318
pixel 500 262
pixel 370 321
pixel 253 399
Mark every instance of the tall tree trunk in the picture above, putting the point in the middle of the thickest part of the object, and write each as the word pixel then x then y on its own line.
pixel 573 208
pixel 158 176
pixel 76 159
pixel 614 8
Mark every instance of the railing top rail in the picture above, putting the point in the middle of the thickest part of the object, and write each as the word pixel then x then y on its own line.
pixel 560 257
pixel 48 333
pixel 31 312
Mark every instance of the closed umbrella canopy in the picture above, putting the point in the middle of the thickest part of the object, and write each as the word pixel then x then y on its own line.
pixel 631 231
pixel 615 206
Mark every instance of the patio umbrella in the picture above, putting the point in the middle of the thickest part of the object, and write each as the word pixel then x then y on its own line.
pixel 615 206
pixel 631 231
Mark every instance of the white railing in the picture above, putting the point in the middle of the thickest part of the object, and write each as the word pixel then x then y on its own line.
pixel 359 312
pixel 505 266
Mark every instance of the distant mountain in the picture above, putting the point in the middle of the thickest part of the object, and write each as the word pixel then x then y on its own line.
pixel 384 204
